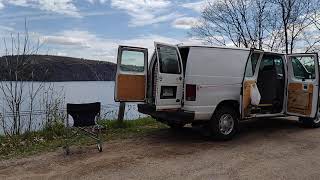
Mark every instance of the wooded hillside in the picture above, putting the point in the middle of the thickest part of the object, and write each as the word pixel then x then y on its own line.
pixel 55 68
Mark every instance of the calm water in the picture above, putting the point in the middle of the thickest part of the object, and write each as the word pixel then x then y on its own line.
pixel 71 92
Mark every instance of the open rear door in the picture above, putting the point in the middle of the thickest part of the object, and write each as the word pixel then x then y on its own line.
pixel 250 78
pixel 303 85
pixel 169 86
pixel 131 77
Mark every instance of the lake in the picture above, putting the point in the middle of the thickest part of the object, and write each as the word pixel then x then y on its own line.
pixel 68 92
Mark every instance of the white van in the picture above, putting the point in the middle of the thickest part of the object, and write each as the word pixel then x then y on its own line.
pixel 212 85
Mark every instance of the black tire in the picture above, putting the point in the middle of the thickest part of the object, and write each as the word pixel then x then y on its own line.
pixel 221 114
pixel 176 126
pixel 311 122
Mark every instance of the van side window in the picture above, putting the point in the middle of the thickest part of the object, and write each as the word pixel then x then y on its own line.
pixel 303 67
pixel 278 62
pixel 251 65
pixel 169 60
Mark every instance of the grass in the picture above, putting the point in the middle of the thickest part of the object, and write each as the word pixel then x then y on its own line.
pixel 50 139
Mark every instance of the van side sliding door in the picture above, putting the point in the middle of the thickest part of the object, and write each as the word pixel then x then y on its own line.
pixel 131 77
pixel 303 85
pixel 249 79
pixel 169 81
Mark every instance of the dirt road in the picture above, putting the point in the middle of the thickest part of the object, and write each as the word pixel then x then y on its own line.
pixel 265 149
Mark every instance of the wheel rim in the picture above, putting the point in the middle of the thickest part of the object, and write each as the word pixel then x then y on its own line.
pixel 226 124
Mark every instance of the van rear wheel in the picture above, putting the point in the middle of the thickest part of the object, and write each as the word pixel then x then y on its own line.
pixel 176 126
pixel 224 123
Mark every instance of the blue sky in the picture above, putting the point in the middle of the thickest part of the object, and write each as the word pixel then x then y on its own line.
pixel 93 29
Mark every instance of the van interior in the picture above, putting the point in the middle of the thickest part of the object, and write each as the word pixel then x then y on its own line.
pixel 271 85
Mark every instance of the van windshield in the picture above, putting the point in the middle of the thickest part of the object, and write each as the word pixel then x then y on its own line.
pixel 169 60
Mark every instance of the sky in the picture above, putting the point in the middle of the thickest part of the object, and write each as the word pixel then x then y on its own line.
pixel 93 29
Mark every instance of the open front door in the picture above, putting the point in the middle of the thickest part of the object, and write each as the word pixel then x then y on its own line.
pixel 169 86
pixel 249 79
pixel 131 77
pixel 303 85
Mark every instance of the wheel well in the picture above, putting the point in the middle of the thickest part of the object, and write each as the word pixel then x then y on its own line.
pixel 229 103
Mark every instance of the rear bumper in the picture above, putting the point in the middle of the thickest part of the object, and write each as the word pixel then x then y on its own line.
pixel 167 116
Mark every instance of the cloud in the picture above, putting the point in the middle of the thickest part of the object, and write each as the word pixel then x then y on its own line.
pixel 196 6
pixel 185 22
pixel 1 5
pixel 65 7
pixel 6 28
pixel 145 12
pixel 97 1
pixel 84 44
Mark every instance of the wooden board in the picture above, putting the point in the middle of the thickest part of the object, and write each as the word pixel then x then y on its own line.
pixel 131 87
pixel 299 100
pixel 247 96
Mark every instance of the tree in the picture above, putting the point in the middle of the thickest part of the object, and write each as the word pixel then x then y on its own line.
pixel 277 25
pixel 16 66
pixel 296 16
pixel 237 22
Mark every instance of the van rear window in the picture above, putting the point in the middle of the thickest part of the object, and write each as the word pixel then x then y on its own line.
pixel 184 52
pixel 169 60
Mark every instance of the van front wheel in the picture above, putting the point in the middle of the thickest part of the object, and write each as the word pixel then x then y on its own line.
pixel 224 123
pixel 311 122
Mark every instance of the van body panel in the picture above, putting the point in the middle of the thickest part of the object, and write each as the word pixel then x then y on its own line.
pixel 131 87
pixel 218 75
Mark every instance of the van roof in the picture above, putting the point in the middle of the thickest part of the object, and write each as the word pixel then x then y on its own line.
pixel 223 47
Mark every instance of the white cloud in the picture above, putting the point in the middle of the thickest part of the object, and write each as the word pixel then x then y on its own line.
pixel 84 44
pixel 6 28
pixel 196 6
pixel 1 4
pixel 145 12
pixel 185 22
pixel 66 7
pixel 97 1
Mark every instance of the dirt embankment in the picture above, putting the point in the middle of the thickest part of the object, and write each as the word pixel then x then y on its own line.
pixel 265 149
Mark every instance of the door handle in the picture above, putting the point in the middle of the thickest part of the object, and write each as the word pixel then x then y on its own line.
pixel 305 87
pixel 178 100
pixel 180 78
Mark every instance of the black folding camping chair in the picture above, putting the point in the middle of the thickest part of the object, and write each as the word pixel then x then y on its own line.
pixel 85 121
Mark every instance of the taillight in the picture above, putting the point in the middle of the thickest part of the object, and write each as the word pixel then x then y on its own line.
pixel 191 92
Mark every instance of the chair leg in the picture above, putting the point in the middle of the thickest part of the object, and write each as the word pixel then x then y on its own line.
pixel 66 147
pixel 99 145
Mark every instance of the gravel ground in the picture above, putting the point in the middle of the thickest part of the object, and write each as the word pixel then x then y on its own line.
pixel 264 149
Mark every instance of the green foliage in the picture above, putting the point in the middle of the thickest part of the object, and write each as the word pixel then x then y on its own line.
pixel 113 124
pixel 53 136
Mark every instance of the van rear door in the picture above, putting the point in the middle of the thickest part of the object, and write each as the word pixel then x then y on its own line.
pixel 131 77
pixel 169 82
pixel 303 85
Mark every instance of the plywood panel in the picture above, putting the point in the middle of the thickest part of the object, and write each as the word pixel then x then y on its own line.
pixel 131 87
pixel 300 100
pixel 247 96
